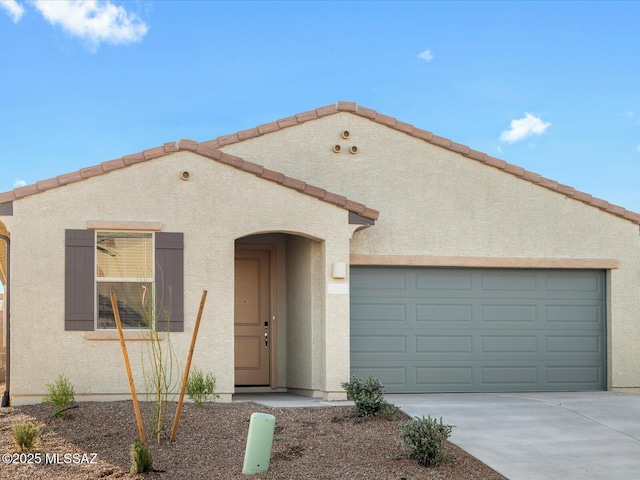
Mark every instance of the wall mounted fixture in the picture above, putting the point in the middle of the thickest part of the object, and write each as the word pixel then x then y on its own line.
pixel 339 270
pixel 345 134
pixel 185 175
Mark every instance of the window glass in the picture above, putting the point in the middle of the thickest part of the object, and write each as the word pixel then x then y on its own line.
pixel 124 265
pixel 124 255
pixel 133 304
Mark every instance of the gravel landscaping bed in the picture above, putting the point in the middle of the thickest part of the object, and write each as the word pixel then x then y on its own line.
pixel 309 443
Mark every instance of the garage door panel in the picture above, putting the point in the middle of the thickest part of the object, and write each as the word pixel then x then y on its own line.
pixel 387 282
pixel 384 312
pixel 508 313
pixel 437 344
pixel 573 281
pixel 509 344
pixel 382 344
pixel 577 375
pixel 443 280
pixel 511 377
pixel 580 313
pixel 512 330
pixel 456 377
pixel 516 282
pixel 442 312
pixel 392 377
pixel 580 344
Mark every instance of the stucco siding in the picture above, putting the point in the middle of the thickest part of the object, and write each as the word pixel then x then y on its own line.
pixel 218 205
pixel 434 202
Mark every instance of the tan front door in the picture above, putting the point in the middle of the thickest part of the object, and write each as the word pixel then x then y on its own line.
pixel 252 316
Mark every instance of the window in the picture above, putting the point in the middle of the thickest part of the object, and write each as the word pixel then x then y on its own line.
pixel 92 269
pixel 124 265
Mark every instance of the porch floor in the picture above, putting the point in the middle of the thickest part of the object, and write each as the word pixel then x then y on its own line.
pixel 285 400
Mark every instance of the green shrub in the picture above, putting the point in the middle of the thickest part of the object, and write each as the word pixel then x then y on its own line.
pixel 368 396
pixel 201 388
pixel 141 461
pixel 424 439
pixel 61 394
pixel 25 435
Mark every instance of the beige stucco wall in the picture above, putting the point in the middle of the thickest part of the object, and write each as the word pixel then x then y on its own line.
pixel 300 312
pixel 218 205
pixel 436 203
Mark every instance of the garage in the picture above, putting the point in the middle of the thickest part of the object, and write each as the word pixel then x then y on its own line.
pixel 421 329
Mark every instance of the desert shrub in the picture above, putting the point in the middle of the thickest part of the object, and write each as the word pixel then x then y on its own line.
pixel 25 435
pixel 159 362
pixel 368 396
pixel 201 388
pixel 141 461
pixel 424 439
pixel 61 394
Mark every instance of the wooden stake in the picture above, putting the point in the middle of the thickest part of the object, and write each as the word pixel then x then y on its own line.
pixel 188 367
pixel 116 313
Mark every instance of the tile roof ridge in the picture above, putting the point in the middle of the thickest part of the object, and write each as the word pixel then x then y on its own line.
pixel 341 106
pixel 201 149
pixel 391 122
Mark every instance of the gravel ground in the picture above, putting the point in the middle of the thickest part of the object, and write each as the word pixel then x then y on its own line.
pixel 309 443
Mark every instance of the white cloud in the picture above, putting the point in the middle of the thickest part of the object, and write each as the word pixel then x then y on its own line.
pixel 638 147
pixel 94 20
pixel 522 128
pixel 427 56
pixel 631 115
pixel 19 183
pixel 13 9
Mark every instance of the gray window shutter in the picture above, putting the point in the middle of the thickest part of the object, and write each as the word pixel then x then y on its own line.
pixel 170 281
pixel 79 280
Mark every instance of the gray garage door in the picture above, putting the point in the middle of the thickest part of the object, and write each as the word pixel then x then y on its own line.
pixel 478 330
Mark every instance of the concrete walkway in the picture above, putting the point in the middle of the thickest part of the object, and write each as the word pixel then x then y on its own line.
pixel 536 436
pixel 585 436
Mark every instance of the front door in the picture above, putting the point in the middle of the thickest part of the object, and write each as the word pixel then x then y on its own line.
pixel 252 316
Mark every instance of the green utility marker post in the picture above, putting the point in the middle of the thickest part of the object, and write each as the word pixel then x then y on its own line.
pixel 259 441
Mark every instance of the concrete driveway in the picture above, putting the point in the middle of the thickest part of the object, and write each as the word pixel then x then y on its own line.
pixel 546 436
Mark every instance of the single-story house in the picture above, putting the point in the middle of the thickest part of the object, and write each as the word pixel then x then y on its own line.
pixel 334 242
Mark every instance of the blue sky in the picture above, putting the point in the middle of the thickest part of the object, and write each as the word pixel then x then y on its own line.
pixel 553 87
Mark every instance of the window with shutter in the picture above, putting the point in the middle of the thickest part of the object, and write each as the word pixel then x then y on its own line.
pixel 144 269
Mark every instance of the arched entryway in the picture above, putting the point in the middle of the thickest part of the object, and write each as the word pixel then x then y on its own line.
pixel 278 312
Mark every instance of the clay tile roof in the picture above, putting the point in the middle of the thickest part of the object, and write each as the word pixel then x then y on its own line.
pixel 205 149
pixel 429 137
pixel 209 149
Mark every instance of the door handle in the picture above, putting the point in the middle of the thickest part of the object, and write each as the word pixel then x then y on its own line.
pixel 266 334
